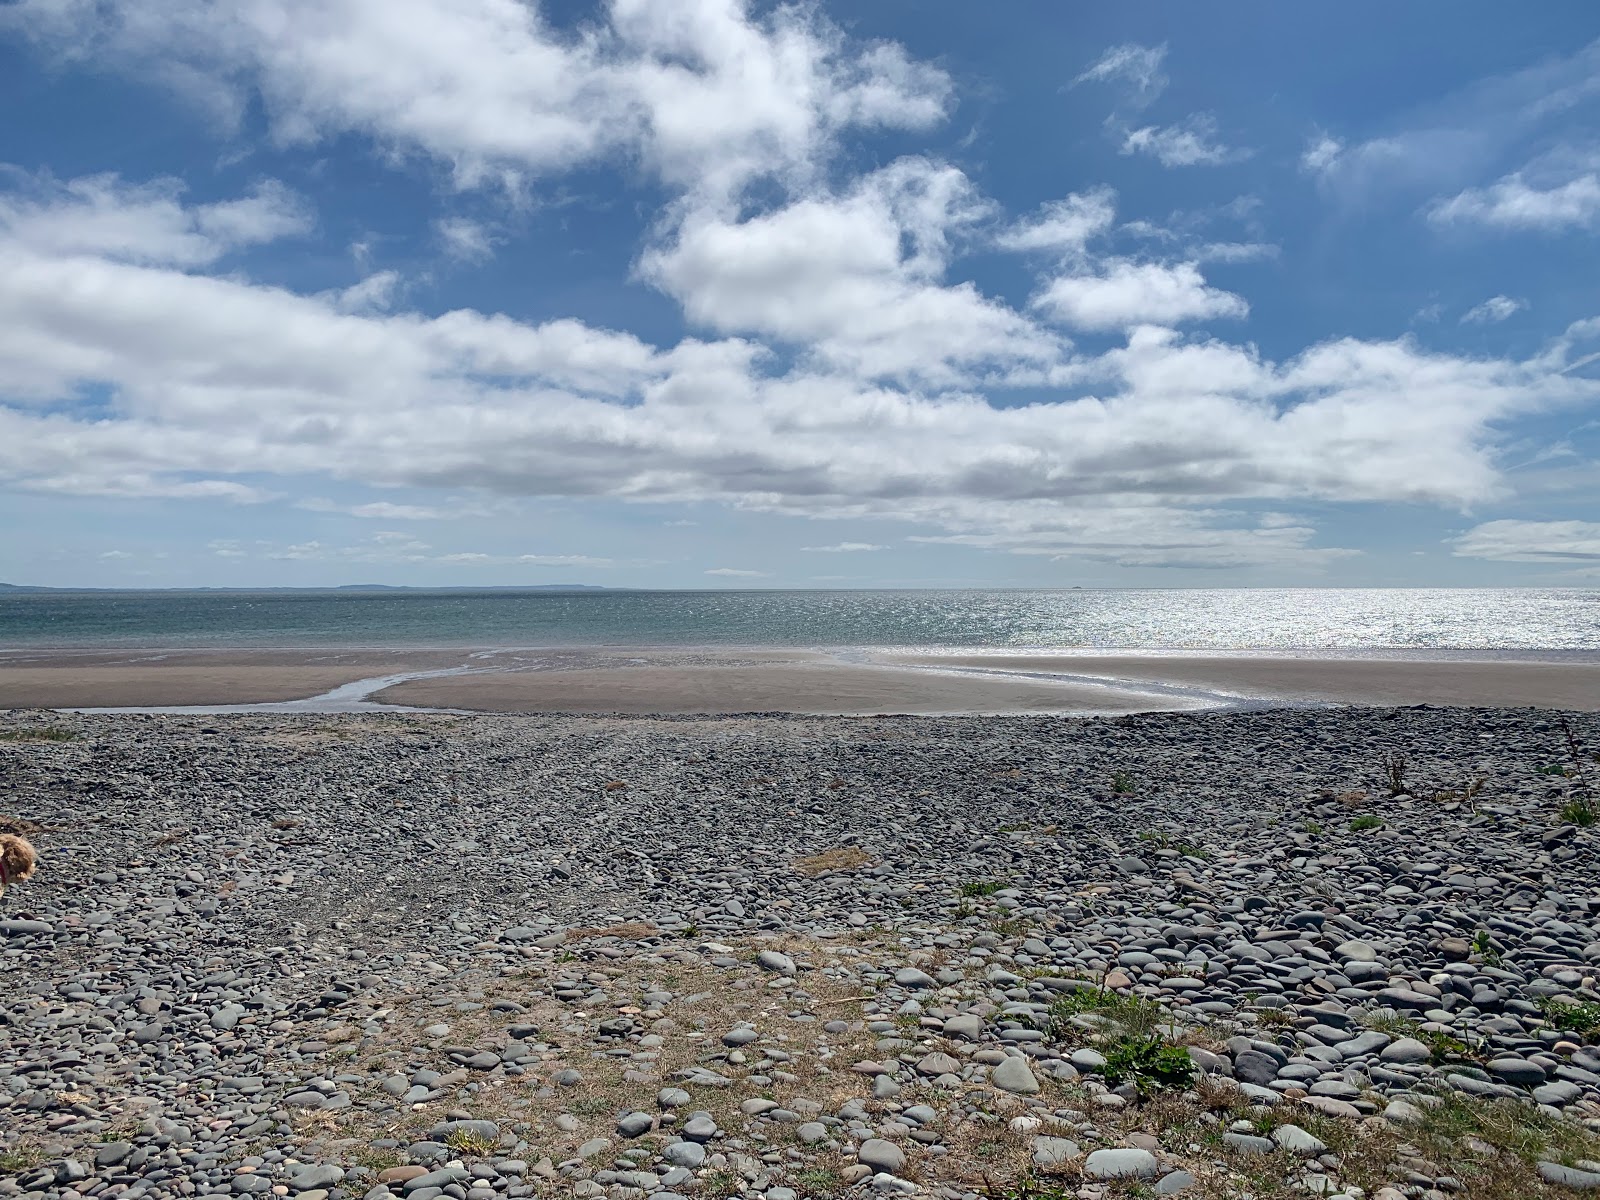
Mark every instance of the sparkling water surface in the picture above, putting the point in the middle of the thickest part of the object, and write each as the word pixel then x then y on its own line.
pixel 1554 619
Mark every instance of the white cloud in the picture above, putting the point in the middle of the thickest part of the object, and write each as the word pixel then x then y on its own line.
pixel 1513 203
pixel 737 573
pixel 1064 227
pixel 1193 143
pixel 856 278
pixel 1136 68
pixel 1576 542
pixel 1321 153
pixel 1493 310
pixel 214 385
pixel 1124 293
pixel 100 215
pixel 843 548
pixel 1450 142
pixel 464 240
pixel 703 93
pixel 115 554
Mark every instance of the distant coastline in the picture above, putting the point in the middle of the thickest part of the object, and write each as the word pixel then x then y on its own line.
pixel 21 588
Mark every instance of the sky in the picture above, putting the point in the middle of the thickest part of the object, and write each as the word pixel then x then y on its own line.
pixel 696 293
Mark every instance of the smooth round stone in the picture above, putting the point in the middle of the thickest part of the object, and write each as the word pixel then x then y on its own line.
pixel 635 1124
pixel 1129 1163
pixel 685 1154
pixel 881 1155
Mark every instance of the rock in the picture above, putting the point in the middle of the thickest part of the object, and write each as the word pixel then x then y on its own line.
pixel 1406 1050
pixel 881 1156
pixel 811 1132
pixel 1012 1074
pixel 967 1027
pixel 685 1154
pixel 1247 1143
pixel 771 960
pixel 1403 1112
pixel 1518 1072
pixel 1121 1164
pixel 1297 1141
pixel 1252 1066
pixel 1174 1182
pixel 635 1124
pixel 1356 950
pixel 1569 1177
pixel 1053 1151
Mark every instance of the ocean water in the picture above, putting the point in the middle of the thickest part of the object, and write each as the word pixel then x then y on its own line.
pixel 1555 619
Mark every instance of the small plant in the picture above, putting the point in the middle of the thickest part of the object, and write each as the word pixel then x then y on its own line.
pixel 1577 811
pixel 691 930
pixel 1149 1063
pixel 42 733
pixel 1483 946
pixel 20 1159
pixel 981 887
pixel 1363 823
pixel 470 1141
pixel 1028 1187
pixel 1122 783
pixel 1129 1015
pixel 1573 1016
pixel 616 785
pixel 1555 769
pixel 1395 768
pixel 1312 828
pixel 821 1182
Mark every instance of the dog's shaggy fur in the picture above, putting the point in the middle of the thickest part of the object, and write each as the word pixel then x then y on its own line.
pixel 19 859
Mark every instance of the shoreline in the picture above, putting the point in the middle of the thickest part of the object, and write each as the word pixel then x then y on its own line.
pixel 838 682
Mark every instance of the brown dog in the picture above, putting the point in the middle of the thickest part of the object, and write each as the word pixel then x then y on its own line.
pixel 17 860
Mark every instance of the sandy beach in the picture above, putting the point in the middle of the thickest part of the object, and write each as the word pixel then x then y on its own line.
pixel 692 681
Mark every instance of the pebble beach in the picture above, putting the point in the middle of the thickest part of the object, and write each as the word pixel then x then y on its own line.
pixel 1341 952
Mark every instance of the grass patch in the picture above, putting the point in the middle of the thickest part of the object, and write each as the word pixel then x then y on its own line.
pixel 468 1141
pixel 1127 1016
pixel 1363 823
pixel 19 1159
pixel 1573 1016
pixel 973 888
pixel 41 733
pixel 1150 1063
pixel 840 858
pixel 1162 841
pixel 1577 811
pixel 1122 783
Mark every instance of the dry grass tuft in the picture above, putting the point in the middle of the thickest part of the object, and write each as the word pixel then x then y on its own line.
pixel 841 858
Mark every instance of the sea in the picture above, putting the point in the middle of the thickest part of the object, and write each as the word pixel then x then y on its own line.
pixel 1375 619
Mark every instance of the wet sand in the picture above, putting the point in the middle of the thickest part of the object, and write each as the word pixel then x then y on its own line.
pixel 151 678
pixel 1569 682
pixel 678 681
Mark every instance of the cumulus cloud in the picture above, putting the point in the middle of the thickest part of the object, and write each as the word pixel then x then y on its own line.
pixel 1192 143
pixel 857 278
pixel 1493 310
pixel 704 94
pixel 1557 542
pixel 1124 293
pixel 839 366
pixel 143 223
pixel 215 384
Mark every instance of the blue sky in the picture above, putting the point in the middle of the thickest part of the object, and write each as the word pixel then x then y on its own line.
pixel 690 293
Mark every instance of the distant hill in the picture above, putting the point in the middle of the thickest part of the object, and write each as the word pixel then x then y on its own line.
pixel 14 588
